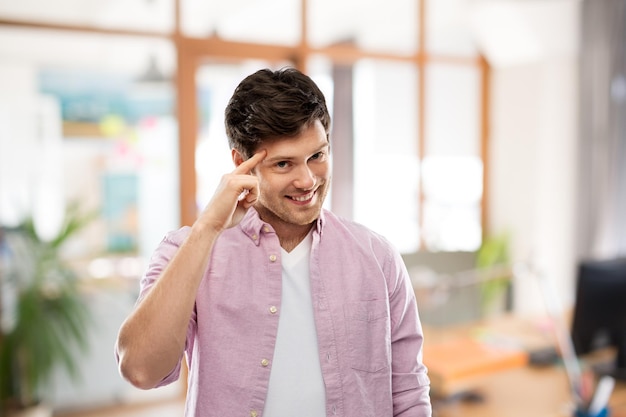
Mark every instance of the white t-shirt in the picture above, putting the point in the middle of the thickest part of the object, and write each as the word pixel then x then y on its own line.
pixel 296 386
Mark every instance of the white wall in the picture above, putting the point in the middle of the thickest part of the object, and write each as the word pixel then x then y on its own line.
pixel 534 152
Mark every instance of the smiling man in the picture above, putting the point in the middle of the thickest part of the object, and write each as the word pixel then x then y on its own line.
pixel 281 308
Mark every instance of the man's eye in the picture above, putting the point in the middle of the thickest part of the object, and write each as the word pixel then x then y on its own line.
pixel 281 164
pixel 317 155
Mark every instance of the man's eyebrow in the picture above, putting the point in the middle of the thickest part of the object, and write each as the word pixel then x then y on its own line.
pixel 289 158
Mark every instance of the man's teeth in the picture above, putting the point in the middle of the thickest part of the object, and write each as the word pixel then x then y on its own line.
pixel 303 198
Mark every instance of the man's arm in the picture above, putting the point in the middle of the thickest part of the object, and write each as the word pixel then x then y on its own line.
pixel 410 382
pixel 151 341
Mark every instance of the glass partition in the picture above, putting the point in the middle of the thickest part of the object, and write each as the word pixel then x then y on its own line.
pixel 90 119
pixel 386 158
pixel 452 110
pixel 438 164
pixel 452 171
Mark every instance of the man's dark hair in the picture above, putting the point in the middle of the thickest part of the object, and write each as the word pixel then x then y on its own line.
pixel 273 104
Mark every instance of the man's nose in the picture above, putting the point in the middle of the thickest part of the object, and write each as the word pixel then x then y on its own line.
pixel 305 179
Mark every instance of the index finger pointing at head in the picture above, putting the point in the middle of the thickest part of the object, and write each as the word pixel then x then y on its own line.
pixel 246 166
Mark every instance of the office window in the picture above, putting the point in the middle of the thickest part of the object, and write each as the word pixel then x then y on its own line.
pixel 413 166
pixel 90 119
pixel 386 160
pixel 452 165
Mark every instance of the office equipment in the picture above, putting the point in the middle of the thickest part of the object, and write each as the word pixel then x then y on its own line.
pixel 520 391
pixel 545 356
pixel 601 397
pixel 564 341
pixel 600 312
pixel 583 413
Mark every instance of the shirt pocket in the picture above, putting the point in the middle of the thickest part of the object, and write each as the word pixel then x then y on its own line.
pixel 368 329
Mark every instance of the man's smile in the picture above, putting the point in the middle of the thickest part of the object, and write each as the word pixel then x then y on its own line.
pixel 302 198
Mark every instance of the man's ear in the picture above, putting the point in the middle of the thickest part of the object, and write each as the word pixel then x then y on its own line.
pixel 237 157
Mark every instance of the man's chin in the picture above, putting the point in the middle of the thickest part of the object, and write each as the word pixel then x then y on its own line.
pixel 289 215
pixel 303 220
pixel 300 219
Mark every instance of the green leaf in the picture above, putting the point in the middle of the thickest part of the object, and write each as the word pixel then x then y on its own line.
pixel 52 316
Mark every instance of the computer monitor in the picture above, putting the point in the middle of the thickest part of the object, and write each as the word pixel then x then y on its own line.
pixel 600 312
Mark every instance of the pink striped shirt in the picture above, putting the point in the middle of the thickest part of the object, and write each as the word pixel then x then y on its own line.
pixel 369 333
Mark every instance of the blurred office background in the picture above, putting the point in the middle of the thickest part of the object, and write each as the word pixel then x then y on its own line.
pixel 456 123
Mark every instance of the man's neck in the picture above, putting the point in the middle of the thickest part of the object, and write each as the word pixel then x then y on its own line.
pixel 290 240
pixel 289 234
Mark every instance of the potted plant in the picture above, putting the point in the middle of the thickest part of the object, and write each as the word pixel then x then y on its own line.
pixel 492 256
pixel 44 317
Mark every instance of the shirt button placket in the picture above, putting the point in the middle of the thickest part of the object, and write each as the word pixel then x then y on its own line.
pixel 273 310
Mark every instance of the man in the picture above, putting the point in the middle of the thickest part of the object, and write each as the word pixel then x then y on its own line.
pixel 282 308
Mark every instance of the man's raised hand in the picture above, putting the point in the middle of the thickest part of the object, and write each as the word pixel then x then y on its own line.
pixel 236 193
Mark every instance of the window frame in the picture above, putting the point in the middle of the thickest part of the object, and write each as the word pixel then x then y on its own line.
pixel 191 52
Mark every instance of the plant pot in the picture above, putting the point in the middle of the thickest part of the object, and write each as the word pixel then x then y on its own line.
pixel 34 411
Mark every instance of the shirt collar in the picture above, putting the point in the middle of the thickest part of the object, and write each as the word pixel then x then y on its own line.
pixel 254 227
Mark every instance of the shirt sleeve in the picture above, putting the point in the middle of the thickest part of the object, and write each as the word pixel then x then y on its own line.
pixel 410 382
pixel 158 262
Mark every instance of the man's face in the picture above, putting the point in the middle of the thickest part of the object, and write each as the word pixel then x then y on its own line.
pixel 294 178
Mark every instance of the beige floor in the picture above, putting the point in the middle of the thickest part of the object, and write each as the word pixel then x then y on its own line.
pixel 161 409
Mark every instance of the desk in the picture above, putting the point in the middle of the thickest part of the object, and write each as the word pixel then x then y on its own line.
pixel 520 392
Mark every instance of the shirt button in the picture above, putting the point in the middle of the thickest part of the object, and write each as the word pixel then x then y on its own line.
pixel 273 309
pixel 266 229
pixel 264 362
pixel 273 258
pixel 255 237
pixel 253 413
